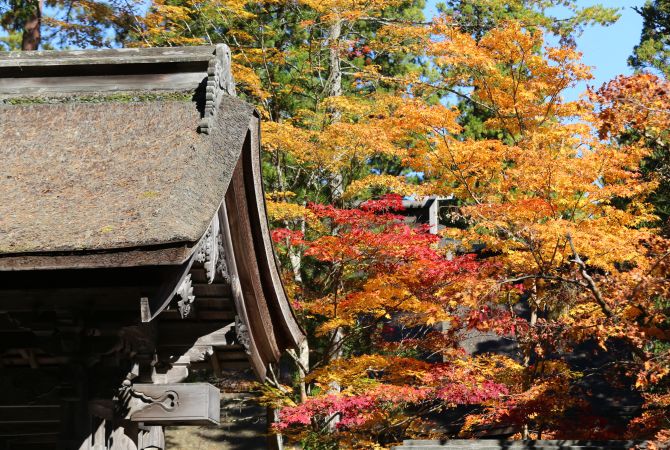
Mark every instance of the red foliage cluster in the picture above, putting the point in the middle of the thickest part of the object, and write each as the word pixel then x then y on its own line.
pixel 356 409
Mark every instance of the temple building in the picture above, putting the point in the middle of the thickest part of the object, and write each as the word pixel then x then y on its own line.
pixel 134 245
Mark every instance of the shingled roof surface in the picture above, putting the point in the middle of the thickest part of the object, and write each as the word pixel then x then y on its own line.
pixel 112 175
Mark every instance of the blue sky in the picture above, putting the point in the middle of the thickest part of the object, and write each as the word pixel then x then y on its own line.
pixel 605 49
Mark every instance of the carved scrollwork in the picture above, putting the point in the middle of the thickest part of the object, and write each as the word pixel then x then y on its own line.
pixel 185 292
pixel 222 266
pixel 219 82
pixel 129 401
pixel 211 250
pixel 242 334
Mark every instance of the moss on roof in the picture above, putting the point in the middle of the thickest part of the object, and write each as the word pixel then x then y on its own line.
pixel 102 97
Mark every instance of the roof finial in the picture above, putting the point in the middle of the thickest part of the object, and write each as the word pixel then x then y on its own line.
pixel 219 82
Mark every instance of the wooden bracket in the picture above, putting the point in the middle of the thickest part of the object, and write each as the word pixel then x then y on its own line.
pixel 178 403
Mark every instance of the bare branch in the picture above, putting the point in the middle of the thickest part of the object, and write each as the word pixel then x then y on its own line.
pixel 590 283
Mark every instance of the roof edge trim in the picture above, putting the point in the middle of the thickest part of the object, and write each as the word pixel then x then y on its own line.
pixel 111 70
pixel 116 56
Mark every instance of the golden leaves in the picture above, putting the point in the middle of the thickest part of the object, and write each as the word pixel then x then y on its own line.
pixel 391 183
pixel 287 212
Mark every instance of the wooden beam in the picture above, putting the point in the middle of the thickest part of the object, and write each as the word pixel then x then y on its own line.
pixel 287 330
pixel 237 294
pixel 40 86
pixel 247 261
pixel 150 55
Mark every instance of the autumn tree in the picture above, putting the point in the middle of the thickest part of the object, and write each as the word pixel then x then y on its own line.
pixel 563 212
pixel 478 17
pixel 637 109
pixel 387 285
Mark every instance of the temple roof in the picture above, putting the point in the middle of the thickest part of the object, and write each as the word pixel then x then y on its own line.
pixel 140 157
pixel 113 174
pixel 112 150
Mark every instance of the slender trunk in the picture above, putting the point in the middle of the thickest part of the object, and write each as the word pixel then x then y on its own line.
pixel 295 256
pixel 337 338
pixel 334 387
pixel 301 354
pixel 33 27
pixel 275 441
pixel 334 83
pixel 334 89
pixel 533 304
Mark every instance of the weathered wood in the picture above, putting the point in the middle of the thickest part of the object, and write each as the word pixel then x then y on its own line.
pixel 168 290
pixel 107 56
pixel 121 258
pixel 28 428
pixel 185 331
pixel 260 321
pixel 108 437
pixel 74 316
pixel 250 345
pixel 222 315
pixel 151 438
pixel 111 289
pixel 289 332
pixel 36 86
pixel 8 361
pixel 225 365
pixel 219 83
pixel 231 356
pixel 210 290
pixel 29 413
pixel 196 403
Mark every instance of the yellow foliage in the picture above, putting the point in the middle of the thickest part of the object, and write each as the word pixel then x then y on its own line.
pixel 283 211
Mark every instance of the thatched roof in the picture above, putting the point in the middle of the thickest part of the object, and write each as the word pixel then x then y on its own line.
pixel 110 175
pixel 114 150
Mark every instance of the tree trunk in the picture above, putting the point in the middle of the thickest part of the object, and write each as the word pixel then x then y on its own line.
pixel 302 357
pixel 334 83
pixel 32 31
pixel 534 306
pixel 334 89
